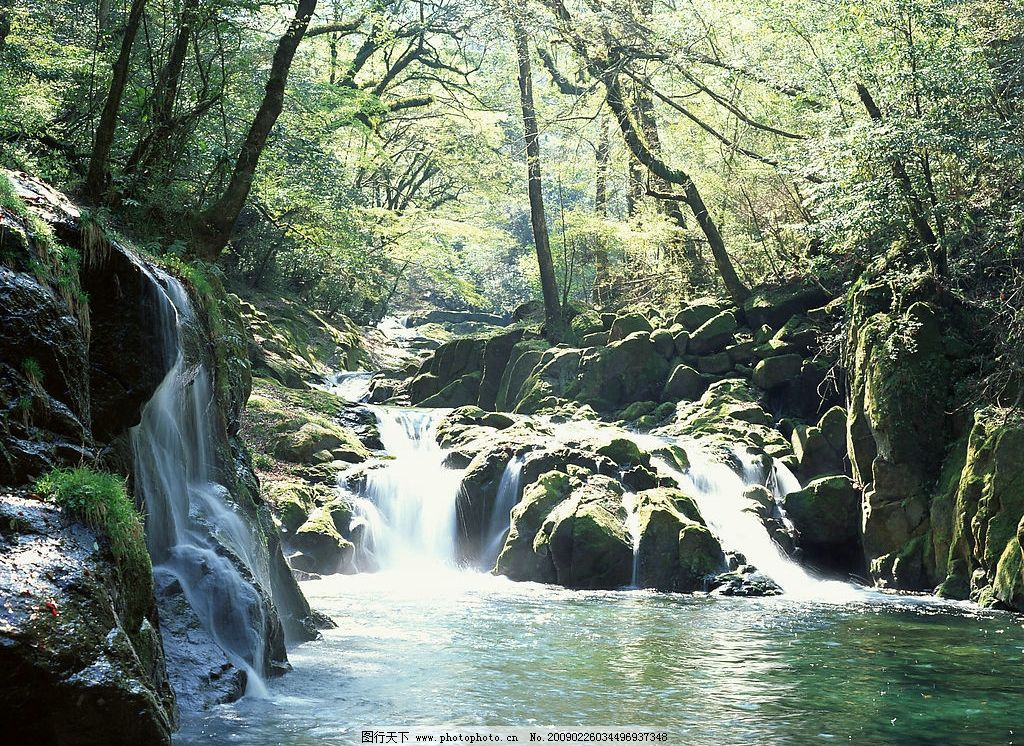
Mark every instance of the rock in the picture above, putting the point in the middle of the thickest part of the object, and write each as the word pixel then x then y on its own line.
pixel 450 362
pixel 684 384
pixel 814 453
pixel 623 372
pixel 773 372
pixel 587 322
pixel 833 427
pixel 714 334
pixel 530 310
pixel 627 324
pixel 597 339
pixel 681 340
pixel 676 552
pixel 518 560
pixel 497 352
pixel 623 452
pixel 741 352
pixel 663 343
pixel 697 313
pixel 714 364
pixel 303 445
pixel 745 581
pixel 636 410
pixel 775 305
pixel 461 391
pixel 81 656
pixel 585 537
pixel 321 539
pixel 826 515
pixel 523 359
pixel 293 500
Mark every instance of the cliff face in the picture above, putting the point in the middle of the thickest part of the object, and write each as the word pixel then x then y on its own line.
pixel 82 352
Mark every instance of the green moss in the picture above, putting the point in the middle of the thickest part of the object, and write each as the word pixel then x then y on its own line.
pixel 41 253
pixel 99 500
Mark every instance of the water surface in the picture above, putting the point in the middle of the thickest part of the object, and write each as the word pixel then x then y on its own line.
pixel 443 647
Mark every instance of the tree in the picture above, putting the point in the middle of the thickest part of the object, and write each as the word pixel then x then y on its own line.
pixel 98 175
pixel 217 222
pixel 549 285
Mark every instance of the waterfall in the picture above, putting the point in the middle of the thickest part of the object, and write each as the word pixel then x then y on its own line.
pixel 408 505
pixel 717 489
pixel 193 531
pixel 352 386
pixel 500 521
pixel 632 506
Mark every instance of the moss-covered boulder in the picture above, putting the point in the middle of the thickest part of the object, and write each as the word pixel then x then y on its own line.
pixel 774 305
pixel 715 364
pixel 628 323
pixel 685 384
pixel 714 334
pixel 80 647
pixel 698 312
pixel 518 560
pixel 461 391
pixel 985 555
pixel 826 515
pixel 585 538
pixel 318 442
pixel 292 501
pixel 664 343
pixel 675 551
pixel 773 372
pixel 322 538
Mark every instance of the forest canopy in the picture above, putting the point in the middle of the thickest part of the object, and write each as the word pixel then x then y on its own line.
pixel 367 156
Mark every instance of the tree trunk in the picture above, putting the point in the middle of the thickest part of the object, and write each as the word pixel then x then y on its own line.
pixel 149 149
pixel 601 187
pixel 549 286
pixel 6 12
pixel 218 221
pixel 96 179
pixel 738 292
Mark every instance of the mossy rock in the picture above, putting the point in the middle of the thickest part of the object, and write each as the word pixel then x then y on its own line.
pixel 714 334
pixel 623 452
pixel 320 538
pixel 518 560
pixel 826 513
pixel 774 305
pixel 627 324
pixel 303 445
pixel 773 372
pixel 684 384
pixel 675 552
pixel 698 312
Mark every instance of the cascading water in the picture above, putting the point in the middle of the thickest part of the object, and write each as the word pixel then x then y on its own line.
pixel 500 521
pixel 632 506
pixel 718 488
pixel 408 505
pixel 191 527
pixel 352 386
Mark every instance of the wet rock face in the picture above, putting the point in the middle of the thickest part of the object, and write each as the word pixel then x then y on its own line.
pixel 44 391
pixel 125 365
pixel 70 671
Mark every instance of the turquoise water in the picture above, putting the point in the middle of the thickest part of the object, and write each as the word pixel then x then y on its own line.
pixel 469 649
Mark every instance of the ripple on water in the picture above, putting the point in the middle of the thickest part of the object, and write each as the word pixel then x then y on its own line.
pixel 472 649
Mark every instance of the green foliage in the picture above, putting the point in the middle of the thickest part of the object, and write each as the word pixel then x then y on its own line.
pixel 99 500
pixel 33 371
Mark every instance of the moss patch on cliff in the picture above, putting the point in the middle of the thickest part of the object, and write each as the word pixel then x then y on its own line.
pixel 99 500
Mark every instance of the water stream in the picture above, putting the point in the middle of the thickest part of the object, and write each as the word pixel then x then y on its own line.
pixel 425 642
pixel 191 526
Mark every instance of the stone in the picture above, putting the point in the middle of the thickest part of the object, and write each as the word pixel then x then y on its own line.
pixel 714 364
pixel 684 384
pixel 773 372
pixel 681 340
pixel 497 351
pixel 675 552
pixel 597 339
pixel 714 334
pixel 320 537
pixel 697 313
pixel 517 560
pixel 627 324
pixel 313 438
pixel 462 391
pixel 775 305
pixel 833 427
pixel 663 343
pixel 826 515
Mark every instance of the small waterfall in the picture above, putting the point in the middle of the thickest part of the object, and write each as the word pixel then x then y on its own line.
pixel 717 489
pixel 352 386
pixel 498 526
pixel 409 503
pixel 190 521
pixel 632 506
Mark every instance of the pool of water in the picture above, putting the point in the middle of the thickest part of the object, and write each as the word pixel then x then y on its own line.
pixel 470 649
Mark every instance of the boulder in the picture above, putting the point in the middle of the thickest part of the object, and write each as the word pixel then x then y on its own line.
pixel 714 364
pixel 681 340
pixel 697 313
pixel 775 305
pixel 815 455
pixel 675 552
pixel 826 515
pixel 518 560
pixel 497 351
pixel 773 372
pixel 597 339
pixel 585 537
pixel 714 334
pixel 321 538
pixel 313 438
pixel 463 390
pixel 684 384
pixel 627 324
pixel 663 343
pixel 80 647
